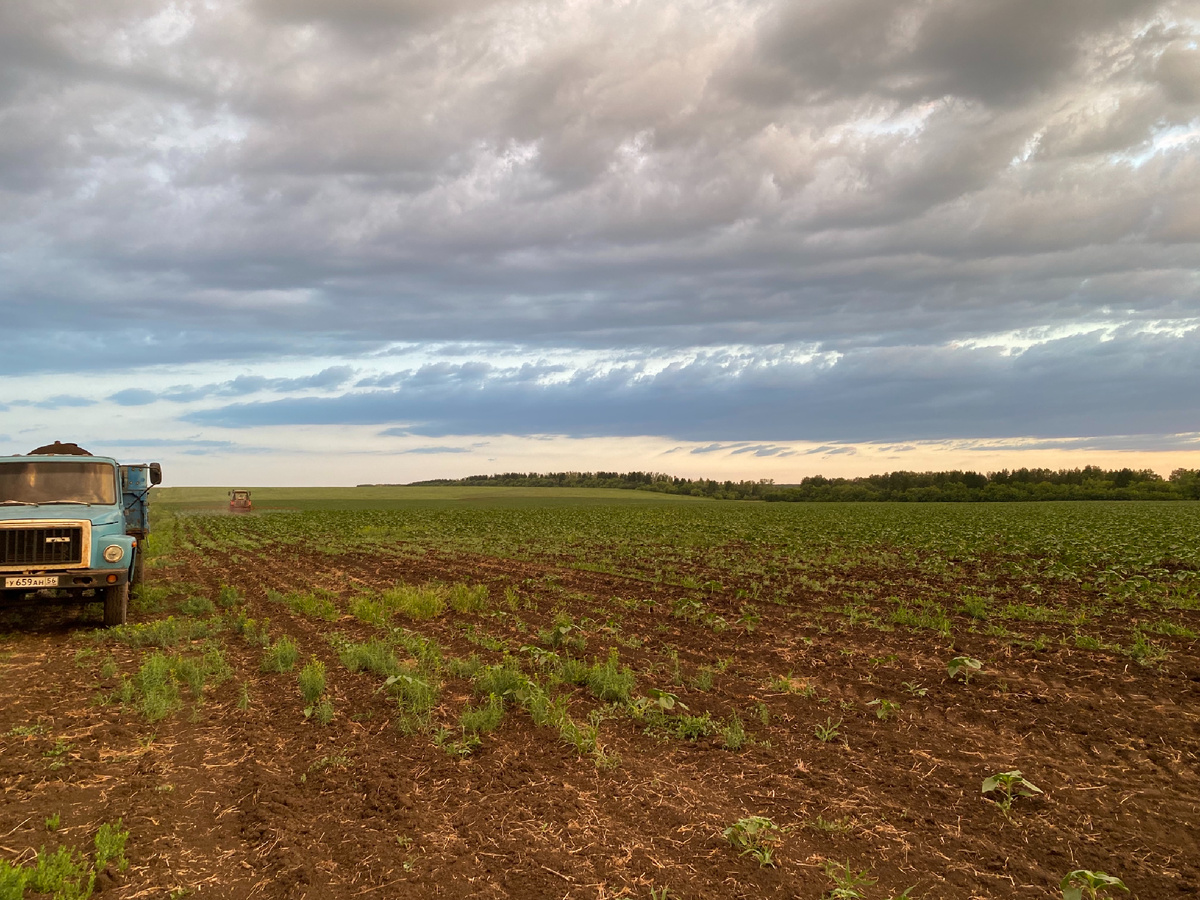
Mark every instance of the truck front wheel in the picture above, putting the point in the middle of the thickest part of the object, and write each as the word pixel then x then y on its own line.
pixel 116 604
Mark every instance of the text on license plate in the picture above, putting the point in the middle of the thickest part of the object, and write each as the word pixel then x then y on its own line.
pixel 31 581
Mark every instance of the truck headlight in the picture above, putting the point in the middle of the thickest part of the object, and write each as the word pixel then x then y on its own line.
pixel 114 552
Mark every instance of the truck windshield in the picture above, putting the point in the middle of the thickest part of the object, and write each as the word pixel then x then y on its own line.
pixel 63 482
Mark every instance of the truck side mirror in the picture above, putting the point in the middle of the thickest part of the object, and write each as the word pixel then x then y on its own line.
pixel 155 473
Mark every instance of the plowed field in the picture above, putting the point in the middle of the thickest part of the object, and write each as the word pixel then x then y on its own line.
pixel 607 691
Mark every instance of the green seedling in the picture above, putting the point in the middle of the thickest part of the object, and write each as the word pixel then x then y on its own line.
pixel 754 836
pixel 964 666
pixel 665 700
pixel 1084 884
pixel 915 689
pixel 829 731
pixel 1008 786
pixel 734 733
pixel 52 822
pixel 847 882
pixel 322 712
pixel 840 825
pixel 884 709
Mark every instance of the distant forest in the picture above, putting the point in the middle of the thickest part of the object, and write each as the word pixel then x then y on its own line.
pixel 1089 483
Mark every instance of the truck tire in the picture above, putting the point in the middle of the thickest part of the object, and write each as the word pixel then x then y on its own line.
pixel 116 604
pixel 139 572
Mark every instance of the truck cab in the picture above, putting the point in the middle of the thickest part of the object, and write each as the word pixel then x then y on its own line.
pixel 72 527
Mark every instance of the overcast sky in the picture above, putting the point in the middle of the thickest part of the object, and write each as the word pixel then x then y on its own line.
pixel 331 241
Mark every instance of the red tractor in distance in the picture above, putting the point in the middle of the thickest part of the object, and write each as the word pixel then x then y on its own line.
pixel 239 501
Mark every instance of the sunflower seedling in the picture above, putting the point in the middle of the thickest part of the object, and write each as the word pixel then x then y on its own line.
pixel 1084 884
pixel 665 700
pixel 1008 786
pixel 966 666
pixel 884 709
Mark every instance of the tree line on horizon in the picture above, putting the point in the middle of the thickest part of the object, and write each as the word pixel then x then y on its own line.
pixel 1088 483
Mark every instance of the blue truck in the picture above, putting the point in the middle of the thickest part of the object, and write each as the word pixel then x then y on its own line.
pixel 73 528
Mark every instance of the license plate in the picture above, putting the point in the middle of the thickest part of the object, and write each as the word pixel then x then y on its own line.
pixel 28 581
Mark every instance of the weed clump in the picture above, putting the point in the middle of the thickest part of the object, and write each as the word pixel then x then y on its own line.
pixel 281 656
pixel 609 682
pixel 415 697
pixel 316 604
pixel 197 607
pixel 483 718
pixel 423 602
pixel 734 733
pixel 66 874
pixel 376 657
pixel 312 680
pixel 228 596
pixel 465 598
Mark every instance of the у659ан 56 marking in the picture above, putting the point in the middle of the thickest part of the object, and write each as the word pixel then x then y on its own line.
pixel 73 527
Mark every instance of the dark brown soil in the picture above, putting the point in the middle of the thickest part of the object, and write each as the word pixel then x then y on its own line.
pixel 231 803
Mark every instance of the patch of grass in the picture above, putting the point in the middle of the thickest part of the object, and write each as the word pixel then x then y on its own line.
pixel 483 718
pixel 505 680
pixel 1144 650
pixel 416 602
pixel 321 713
pixel 789 684
pixel 311 679
pixel 1170 629
pixel 927 614
pixel 316 604
pixel 840 825
pixel 415 697
pixel 465 668
pixel 974 606
pixel 149 599
pixel 168 632
pixel 734 733
pixel 426 651
pixel 610 682
pixel 197 607
pixel 375 656
pixel 371 610
pixel 254 633
pixel 466 598
pixel 155 682
pixel 281 656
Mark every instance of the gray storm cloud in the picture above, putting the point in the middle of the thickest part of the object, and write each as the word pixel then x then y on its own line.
pixel 231 181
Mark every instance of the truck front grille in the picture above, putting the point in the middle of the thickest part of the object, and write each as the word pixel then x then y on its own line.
pixel 41 546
